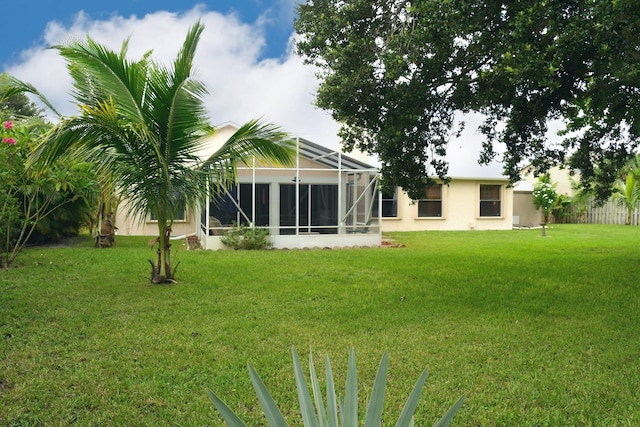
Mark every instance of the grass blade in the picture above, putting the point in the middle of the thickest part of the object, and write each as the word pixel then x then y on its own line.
pixel 226 413
pixel 406 417
pixel 376 403
pixel 350 409
pixel 332 402
pixel 306 406
pixel 446 418
pixel 269 407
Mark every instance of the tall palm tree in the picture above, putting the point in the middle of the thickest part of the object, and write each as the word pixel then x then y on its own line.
pixel 146 123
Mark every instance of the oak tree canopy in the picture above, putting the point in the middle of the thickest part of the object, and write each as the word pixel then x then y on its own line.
pixel 396 74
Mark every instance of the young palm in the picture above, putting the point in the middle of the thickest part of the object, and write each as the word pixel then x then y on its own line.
pixel 627 189
pixel 146 123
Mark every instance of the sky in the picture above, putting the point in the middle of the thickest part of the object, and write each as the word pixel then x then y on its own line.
pixel 245 58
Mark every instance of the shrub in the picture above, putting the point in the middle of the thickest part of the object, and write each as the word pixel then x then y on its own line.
pixel 38 203
pixel 247 237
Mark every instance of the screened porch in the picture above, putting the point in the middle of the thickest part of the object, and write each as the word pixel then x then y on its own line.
pixel 326 200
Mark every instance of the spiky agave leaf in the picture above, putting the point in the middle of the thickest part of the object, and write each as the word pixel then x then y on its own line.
pixel 271 412
pixel 226 413
pixel 332 402
pixel 321 410
pixel 349 410
pixel 446 418
pixel 376 403
pixel 306 405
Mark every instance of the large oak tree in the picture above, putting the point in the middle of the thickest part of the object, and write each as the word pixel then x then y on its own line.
pixel 397 73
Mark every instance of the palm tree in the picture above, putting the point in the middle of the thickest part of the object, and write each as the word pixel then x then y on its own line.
pixel 627 189
pixel 146 123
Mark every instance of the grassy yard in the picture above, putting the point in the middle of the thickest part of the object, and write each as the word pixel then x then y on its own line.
pixel 535 331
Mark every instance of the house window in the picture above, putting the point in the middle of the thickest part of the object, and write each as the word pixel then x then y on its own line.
pixel 490 203
pixel 225 207
pixel 431 205
pixel 181 209
pixel 389 204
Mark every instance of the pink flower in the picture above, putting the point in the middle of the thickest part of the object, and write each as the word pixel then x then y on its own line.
pixel 8 125
pixel 10 141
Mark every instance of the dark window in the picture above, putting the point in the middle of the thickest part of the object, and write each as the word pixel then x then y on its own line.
pixel 317 208
pixel 324 208
pixel 490 203
pixel 261 203
pixel 431 204
pixel 389 204
pixel 224 208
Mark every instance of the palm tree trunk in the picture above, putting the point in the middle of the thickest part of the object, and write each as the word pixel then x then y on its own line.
pixel 162 271
pixel 166 255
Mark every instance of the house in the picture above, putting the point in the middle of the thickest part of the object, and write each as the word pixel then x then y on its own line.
pixel 330 199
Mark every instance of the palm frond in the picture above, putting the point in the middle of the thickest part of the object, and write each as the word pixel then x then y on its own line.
pixel 10 86
pixel 184 61
pixel 99 72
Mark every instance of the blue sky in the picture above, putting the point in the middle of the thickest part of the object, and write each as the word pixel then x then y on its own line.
pixel 24 22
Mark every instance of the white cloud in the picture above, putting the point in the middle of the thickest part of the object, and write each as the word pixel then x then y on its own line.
pixel 241 86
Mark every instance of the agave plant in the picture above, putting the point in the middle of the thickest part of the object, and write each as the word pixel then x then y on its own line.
pixel 336 413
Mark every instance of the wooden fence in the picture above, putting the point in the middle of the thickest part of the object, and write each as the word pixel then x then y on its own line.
pixel 610 213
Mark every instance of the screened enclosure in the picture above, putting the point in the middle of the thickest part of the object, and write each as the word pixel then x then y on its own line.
pixel 326 200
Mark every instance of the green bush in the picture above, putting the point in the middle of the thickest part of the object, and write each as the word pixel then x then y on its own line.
pixel 337 412
pixel 247 237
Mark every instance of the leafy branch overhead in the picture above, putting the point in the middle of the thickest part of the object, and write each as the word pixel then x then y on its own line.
pixel 397 73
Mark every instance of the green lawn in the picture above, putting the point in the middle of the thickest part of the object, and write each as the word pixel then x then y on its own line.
pixel 535 331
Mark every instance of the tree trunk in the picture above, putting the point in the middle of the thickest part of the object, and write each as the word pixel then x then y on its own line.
pixel 106 236
pixel 161 271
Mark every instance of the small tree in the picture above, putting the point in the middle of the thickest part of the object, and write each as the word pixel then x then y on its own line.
pixel 626 190
pixel 544 198
pixel 18 106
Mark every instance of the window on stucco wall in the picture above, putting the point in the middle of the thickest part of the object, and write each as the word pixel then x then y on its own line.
pixel 431 205
pixel 490 200
pixel 389 204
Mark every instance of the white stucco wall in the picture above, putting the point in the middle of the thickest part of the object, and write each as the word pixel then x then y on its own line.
pixel 460 210
pixel 130 226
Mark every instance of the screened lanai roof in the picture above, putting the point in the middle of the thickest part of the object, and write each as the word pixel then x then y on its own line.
pixel 331 158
